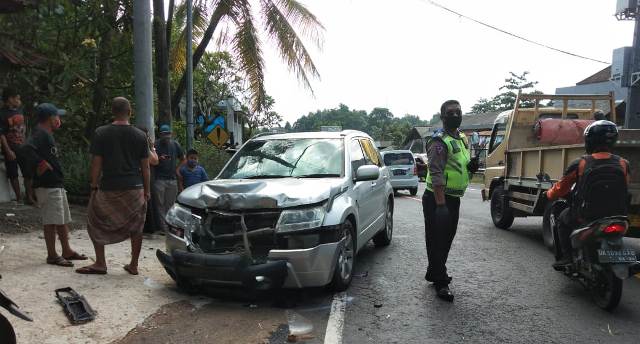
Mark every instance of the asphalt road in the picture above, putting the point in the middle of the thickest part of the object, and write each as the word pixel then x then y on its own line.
pixel 506 292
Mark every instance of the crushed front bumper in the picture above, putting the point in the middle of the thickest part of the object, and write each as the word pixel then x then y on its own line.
pixel 298 268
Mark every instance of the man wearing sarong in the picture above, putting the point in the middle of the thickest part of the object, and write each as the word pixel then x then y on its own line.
pixel 118 205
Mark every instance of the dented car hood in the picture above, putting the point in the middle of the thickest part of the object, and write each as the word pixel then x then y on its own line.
pixel 239 194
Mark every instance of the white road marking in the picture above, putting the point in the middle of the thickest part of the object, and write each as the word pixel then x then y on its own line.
pixel 335 326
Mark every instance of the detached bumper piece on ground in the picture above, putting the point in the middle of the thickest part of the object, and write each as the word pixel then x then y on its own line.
pixel 75 306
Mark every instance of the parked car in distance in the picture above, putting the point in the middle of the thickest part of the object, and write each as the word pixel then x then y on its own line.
pixel 403 170
pixel 288 210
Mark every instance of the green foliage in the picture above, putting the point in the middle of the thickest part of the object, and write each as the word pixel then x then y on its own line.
pixel 380 123
pixel 75 165
pixel 507 99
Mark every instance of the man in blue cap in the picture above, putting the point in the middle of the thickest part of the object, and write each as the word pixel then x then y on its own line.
pixel 171 157
pixel 42 153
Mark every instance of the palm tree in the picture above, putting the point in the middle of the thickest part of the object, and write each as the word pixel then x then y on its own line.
pixel 284 22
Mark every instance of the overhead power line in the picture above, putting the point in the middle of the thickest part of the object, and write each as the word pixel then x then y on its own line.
pixel 512 34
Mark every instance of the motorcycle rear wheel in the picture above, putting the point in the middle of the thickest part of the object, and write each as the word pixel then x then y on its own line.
pixel 606 290
pixel 7 335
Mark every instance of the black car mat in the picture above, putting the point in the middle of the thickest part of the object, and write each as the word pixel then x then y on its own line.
pixel 75 306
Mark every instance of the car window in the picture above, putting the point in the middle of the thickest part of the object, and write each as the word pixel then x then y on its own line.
pixel 357 157
pixel 391 159
pixel 370 152
pixel 287 158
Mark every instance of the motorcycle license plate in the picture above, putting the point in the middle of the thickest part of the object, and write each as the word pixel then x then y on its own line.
pixel 617 256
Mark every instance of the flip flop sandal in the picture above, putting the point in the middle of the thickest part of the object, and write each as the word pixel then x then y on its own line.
pixel 59 261
pixel 87 270
pixel 76 256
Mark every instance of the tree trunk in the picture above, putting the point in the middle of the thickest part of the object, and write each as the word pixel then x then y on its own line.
pixel 172 7
pixel 162 64
pixel 217 15
pixel 103 71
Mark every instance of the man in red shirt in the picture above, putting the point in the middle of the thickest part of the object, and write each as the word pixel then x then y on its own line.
pixel 12 136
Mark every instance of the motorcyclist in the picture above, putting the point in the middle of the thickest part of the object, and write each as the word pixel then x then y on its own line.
pixel 600 137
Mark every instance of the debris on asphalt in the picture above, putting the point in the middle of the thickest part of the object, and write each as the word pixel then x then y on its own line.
pixel 362 275
pixel 377 305
pixel 75 306
pixel 300 328
pixel 10 214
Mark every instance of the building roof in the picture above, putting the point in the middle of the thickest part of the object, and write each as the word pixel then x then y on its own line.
pixel 601 76
pixel 17 54
pixel 481 121
pixel 10 6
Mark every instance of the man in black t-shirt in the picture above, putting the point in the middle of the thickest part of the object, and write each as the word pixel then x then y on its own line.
pixel 171 157
pixel 118 205
pixel 42 154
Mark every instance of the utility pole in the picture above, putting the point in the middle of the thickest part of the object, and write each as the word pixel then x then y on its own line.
pixel 143 73
pixel 189 74
pixel 629 10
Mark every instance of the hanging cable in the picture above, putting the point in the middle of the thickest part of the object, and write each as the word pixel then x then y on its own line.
pixel 512 34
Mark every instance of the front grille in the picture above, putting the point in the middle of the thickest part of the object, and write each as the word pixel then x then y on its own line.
pixel 225 233
pixel 229 223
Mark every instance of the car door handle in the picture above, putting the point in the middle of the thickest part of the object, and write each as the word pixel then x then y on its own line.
pixel 374 184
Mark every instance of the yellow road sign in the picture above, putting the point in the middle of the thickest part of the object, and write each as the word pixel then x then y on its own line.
pixel 218 136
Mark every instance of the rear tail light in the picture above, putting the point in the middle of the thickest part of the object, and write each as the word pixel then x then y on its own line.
pixel 615 228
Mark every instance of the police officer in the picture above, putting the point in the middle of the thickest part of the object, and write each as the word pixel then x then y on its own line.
pixel 450 168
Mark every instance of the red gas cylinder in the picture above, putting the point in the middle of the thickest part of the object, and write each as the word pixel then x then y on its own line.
pixel 561 131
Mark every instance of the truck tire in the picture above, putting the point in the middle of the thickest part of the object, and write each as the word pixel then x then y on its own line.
pixel 501 214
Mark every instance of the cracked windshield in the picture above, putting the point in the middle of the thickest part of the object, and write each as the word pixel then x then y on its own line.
pixel 287 158
pixel 319 171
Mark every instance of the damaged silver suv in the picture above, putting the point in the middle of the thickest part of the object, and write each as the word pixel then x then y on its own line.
pixel 288 210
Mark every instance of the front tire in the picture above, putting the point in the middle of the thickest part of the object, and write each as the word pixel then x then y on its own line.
pixel 501 214
pixel 7 335
pixel 606 290
pixel 343 273
pixel 383 238
pixel 413 191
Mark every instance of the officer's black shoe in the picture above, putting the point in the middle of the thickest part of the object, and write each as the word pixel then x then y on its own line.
pixel 562 264
pixel 444 293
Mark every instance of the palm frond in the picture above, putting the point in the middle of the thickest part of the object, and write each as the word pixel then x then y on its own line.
pixel 177 59
pixel 300 17
pixel 291 48
pixel 246 48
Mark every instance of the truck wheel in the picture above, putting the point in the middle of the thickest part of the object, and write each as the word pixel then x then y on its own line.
pixel 413 191
pixel 501 214
pixel 343 273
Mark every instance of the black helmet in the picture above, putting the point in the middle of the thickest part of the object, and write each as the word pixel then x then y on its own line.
pixel 600 134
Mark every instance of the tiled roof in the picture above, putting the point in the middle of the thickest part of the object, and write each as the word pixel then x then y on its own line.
pixel 601 76
pixel 18 54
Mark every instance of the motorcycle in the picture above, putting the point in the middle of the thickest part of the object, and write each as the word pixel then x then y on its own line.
pixel 600 261
pixel 7 334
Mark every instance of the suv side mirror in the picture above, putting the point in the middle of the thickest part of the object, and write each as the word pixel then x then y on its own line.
pixel 367 172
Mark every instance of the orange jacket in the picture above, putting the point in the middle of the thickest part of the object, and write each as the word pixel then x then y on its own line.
pixel 563 187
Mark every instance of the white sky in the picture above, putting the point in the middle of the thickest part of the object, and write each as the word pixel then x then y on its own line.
pixel 410 56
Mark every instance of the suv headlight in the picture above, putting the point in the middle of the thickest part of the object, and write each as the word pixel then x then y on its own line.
pixel 300 219
pixel 181 221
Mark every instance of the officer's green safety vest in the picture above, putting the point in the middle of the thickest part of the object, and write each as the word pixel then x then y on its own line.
pixel 456 174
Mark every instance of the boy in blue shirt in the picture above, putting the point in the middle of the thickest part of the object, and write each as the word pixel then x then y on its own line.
pixel 191 173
